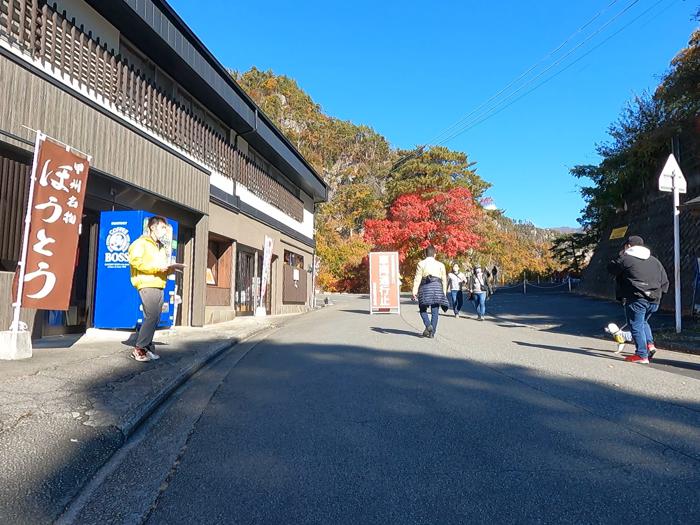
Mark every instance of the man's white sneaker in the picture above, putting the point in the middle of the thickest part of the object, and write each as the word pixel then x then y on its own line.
pixel 138 356
pixel 152 355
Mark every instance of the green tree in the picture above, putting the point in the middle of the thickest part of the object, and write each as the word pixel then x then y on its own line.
pixel 640 140
pixel 433 170
pixel 572 251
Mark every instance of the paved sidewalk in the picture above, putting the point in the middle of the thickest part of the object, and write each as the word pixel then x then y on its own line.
pixel 65 411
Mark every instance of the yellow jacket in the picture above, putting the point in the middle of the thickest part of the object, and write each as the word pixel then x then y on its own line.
pixel 146 259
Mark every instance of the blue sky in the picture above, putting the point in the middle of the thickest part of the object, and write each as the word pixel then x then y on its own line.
pixel 410 70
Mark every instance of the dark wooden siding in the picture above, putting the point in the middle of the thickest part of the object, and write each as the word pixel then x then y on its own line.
pixel 14 193
pixel 46 35
pixel 116 150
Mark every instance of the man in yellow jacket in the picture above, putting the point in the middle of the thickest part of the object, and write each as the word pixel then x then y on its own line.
pixel 149 271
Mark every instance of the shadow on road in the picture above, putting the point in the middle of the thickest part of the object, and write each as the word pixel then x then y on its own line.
pixel 563 312
pixel 347 433
pixel 401 432
pixel 582 351
pixel 394 331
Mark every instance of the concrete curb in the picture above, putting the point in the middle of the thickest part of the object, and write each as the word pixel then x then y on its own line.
pixel 128 423
pixel 109 440
pixel 676 347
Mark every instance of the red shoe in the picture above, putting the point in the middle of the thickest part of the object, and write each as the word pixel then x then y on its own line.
pixel 652 350
pixel 637 359
pixel 140 355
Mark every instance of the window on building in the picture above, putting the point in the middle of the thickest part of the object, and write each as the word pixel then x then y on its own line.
pixel 293 259
pixel 218 273
pixel 166 84
pixel 213 255
pixel 273 172
pixel 295 278
pixel 138 60
pixel 259 160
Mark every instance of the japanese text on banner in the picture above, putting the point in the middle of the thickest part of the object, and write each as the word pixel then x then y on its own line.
pixel 56 213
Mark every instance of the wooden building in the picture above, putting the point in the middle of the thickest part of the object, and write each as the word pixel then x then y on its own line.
pixel 171 133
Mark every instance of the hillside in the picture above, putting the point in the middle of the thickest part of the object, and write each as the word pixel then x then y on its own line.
pixel 366 175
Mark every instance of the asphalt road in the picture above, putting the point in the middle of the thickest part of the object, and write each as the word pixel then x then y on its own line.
pixel 342 417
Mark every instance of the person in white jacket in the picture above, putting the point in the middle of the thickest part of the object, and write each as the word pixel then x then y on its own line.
pixel 456 280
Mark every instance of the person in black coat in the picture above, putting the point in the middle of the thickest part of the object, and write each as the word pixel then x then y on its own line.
pixel 641 281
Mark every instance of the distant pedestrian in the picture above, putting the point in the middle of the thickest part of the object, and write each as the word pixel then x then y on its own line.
pixel 429 287
pixel 641 282
pixel 149 271
pixel 456 282
pixel 480 290
pixel 494 274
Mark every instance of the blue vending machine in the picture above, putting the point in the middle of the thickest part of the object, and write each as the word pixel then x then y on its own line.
pixel 117 303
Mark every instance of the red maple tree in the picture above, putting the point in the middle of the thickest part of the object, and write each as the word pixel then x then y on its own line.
pixel 446 220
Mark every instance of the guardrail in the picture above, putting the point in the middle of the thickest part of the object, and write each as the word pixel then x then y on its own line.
pixel 567 286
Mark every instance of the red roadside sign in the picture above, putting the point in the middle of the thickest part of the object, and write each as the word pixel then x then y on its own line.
pixel 384 288
pixel 56 198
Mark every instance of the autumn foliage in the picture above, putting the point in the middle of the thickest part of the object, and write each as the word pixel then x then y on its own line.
pixel 447 220
pixel 381 198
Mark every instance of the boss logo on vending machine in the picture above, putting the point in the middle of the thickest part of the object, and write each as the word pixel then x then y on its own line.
pixel 118 241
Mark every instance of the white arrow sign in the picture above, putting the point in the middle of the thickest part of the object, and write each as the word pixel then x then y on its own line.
pixel 672 180
pixel 670 174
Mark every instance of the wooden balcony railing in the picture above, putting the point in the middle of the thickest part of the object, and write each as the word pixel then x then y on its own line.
pixel 44 34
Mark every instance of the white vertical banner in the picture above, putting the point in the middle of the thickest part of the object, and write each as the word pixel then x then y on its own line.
pixel 261 311
pixel 384 283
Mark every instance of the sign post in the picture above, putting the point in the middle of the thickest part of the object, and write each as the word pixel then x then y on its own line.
pixel 50 241
pixel 261 311
pixel 384 286
pixel 672 180
pixel 316 267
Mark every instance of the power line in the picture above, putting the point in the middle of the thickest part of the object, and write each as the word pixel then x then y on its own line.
pixel 525 73
pixel 488 116
pixel 479 117
pixel 457 124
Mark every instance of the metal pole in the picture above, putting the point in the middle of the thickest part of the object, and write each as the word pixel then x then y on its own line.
pixel 677 254
pixel 25 243
pixel 313 281
pixel 174 307
pixel 569 280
